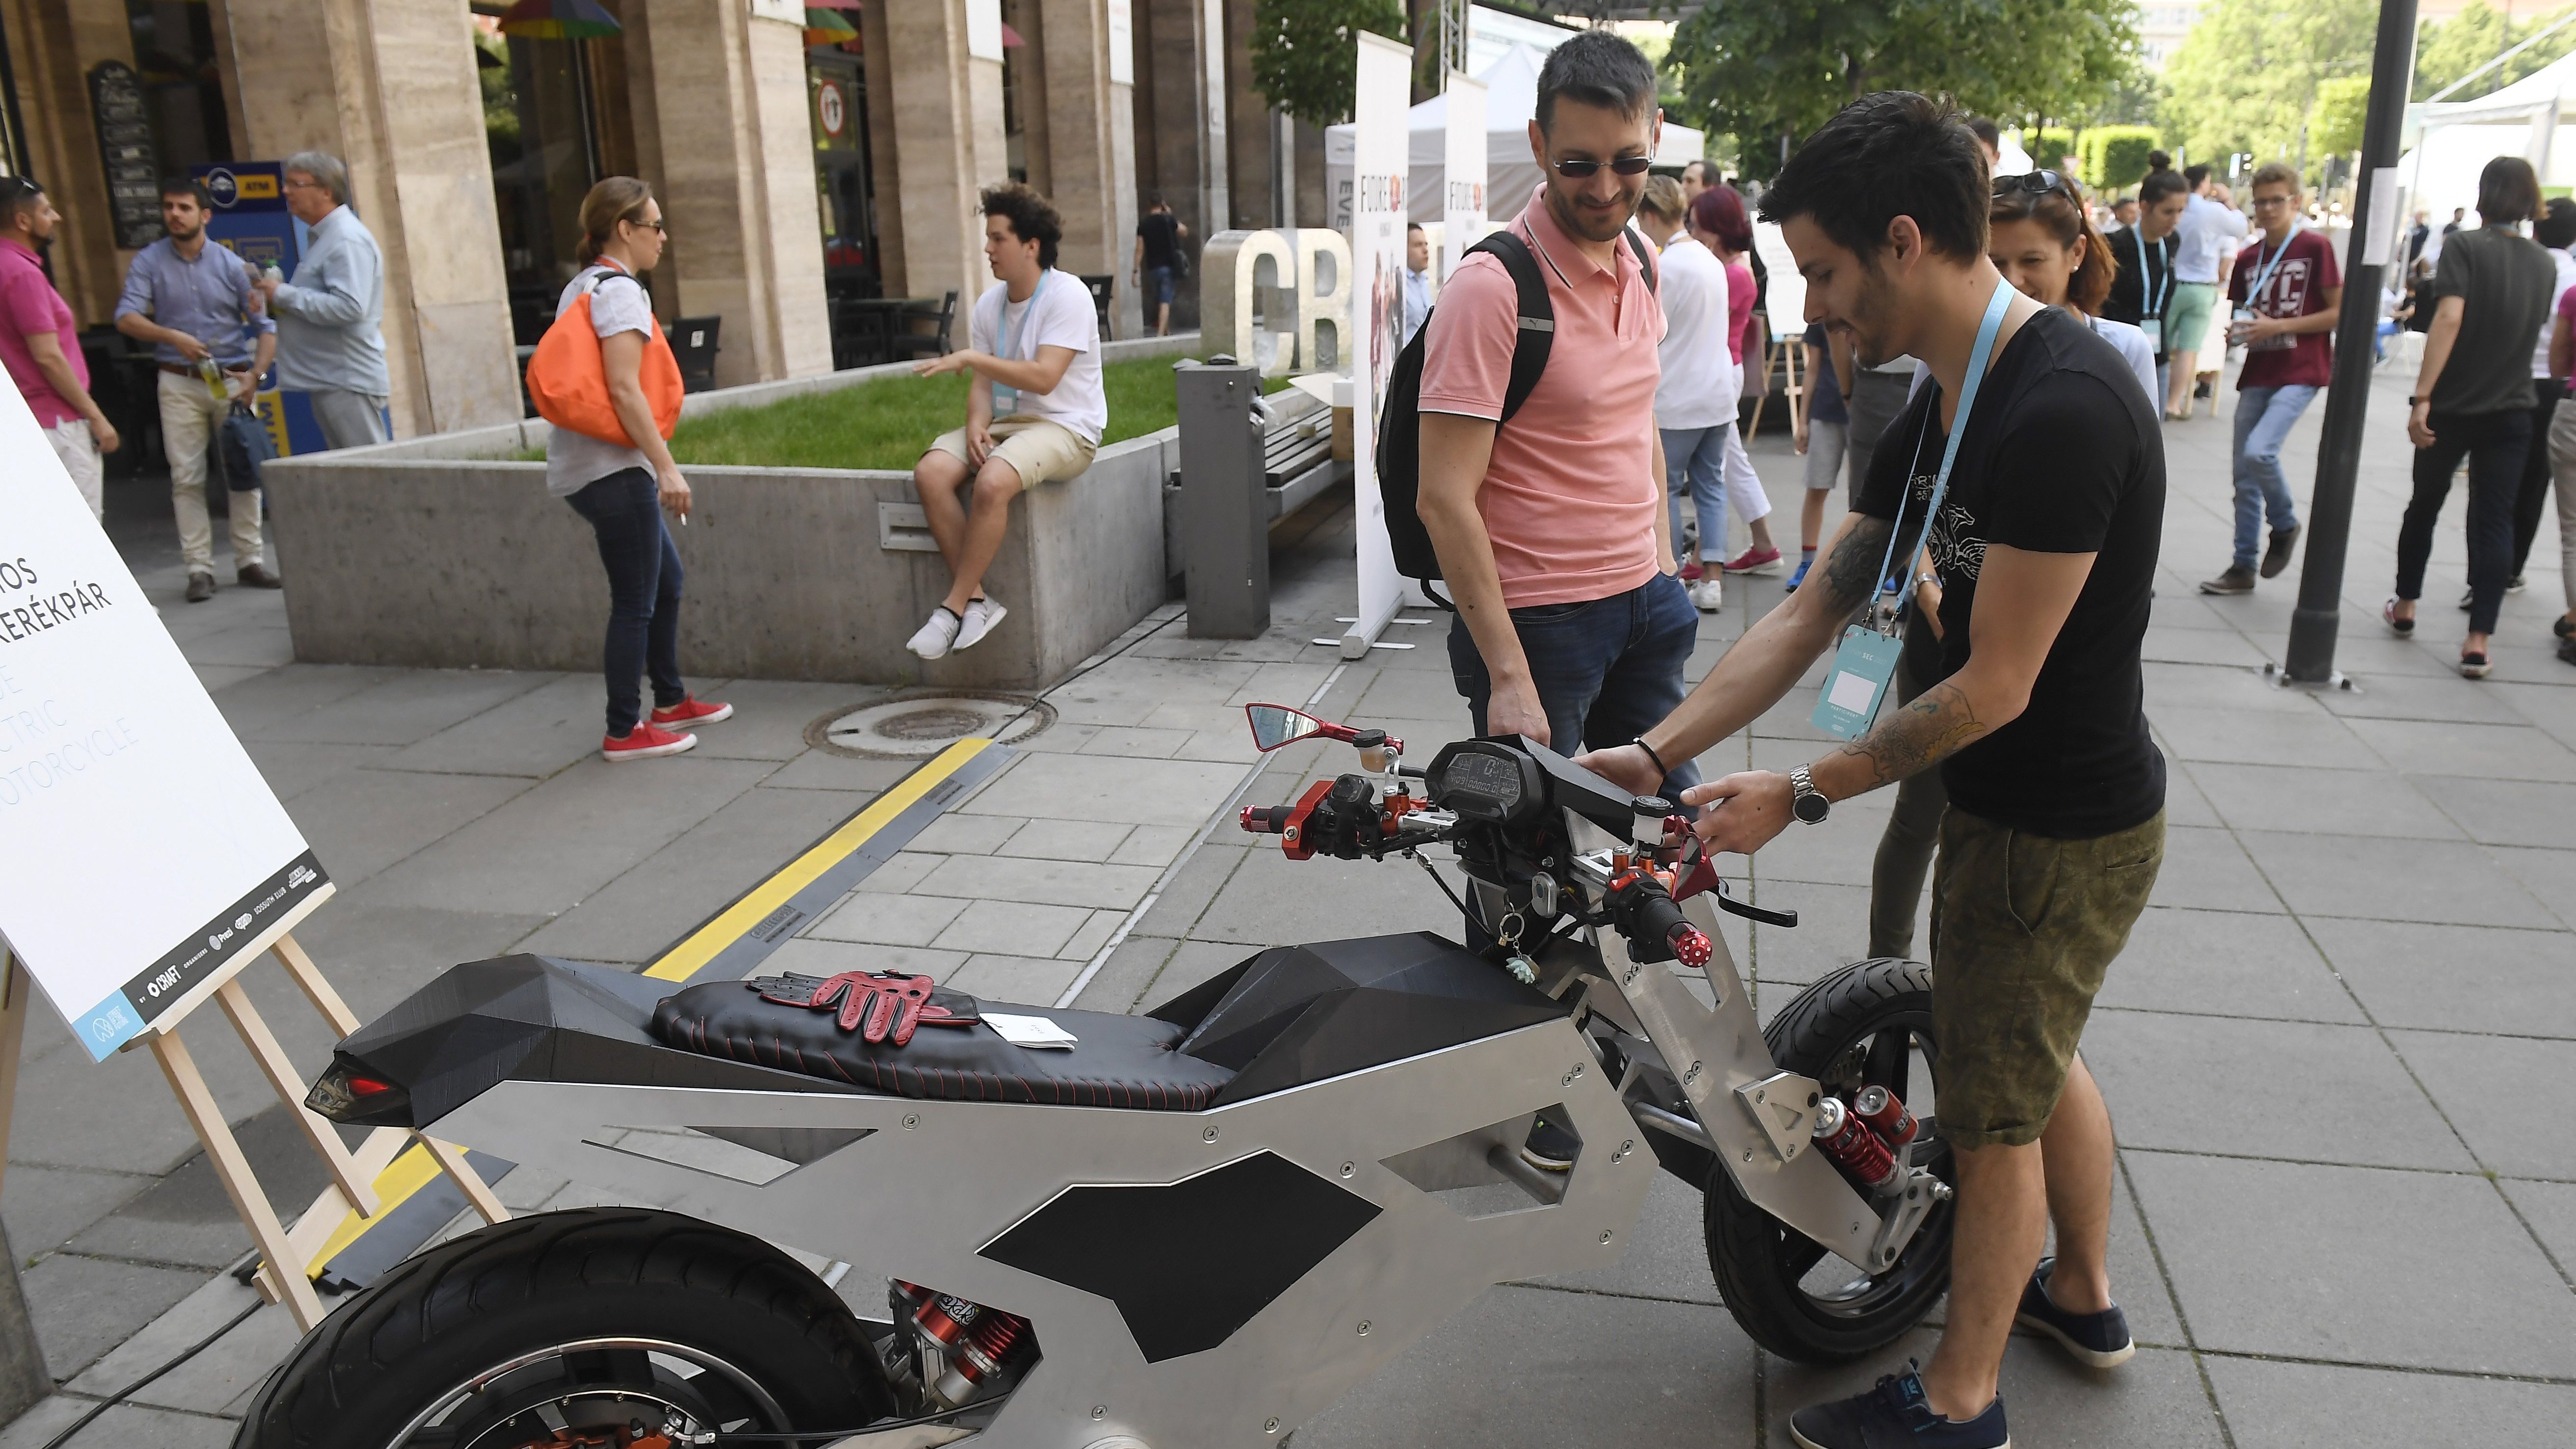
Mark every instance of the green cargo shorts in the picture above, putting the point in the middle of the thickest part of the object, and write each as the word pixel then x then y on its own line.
pixel 2023 928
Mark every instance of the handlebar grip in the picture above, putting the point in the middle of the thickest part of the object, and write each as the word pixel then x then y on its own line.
pixel 1267 819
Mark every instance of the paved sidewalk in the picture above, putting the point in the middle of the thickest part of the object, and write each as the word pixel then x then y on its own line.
pixel 2333 1047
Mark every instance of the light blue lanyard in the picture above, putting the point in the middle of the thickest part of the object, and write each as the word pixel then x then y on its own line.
pixel 2263 274
pixel 2165 294
pixel 1977 358
pixel 1011 345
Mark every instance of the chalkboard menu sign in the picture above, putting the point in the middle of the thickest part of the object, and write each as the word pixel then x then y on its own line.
pixel 126 153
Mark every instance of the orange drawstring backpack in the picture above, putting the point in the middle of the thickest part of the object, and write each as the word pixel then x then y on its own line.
pixel 568 381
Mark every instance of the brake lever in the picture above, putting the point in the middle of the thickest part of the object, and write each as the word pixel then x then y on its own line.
pixel 1727 902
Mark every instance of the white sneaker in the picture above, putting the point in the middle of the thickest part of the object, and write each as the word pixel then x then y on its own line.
pixel 981 615
pixel 935 638
pixel 1709 593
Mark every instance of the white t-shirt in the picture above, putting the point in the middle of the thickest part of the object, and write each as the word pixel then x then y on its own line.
pixel 2136 351
pixel 2200 238
pixel 1058 314
pixel 618 303
pixel 1701 384
pixel 2566 278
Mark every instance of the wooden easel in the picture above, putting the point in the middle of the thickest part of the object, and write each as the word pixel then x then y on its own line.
pixel 353 1173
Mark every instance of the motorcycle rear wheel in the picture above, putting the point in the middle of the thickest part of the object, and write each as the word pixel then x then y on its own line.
pixel 1868 1023
pixel 589 1320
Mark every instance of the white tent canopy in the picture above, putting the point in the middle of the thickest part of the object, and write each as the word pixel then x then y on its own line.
pixel 2458 138
pixel 1511 103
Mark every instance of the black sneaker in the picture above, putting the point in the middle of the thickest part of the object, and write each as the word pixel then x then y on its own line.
pixel 2097 1340
pixel 1550 1148
pixel 201 587
pixel 2201 389
pixel 2513 585
pixel 2276 557
pixel 2567 650
pixel 1895 1413
pixel 2237 580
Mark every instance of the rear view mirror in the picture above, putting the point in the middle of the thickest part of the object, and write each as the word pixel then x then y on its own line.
pixel 1274 725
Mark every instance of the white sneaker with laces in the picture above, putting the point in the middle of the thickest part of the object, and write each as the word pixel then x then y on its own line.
pixel 1709 594
pixel 935 638
pixel 981 615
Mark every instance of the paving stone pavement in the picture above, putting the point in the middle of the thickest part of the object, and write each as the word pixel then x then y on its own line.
pixel 2333 1048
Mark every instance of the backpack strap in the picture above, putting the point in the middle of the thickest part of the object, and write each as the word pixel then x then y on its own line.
pixel 1537 332
pixel 1645 258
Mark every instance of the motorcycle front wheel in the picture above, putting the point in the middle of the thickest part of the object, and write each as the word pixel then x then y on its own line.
pixel 598 1325
pixel 1868 1024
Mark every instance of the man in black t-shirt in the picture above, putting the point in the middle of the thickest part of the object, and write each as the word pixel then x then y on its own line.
pixel 2044 543
pixel 1159 235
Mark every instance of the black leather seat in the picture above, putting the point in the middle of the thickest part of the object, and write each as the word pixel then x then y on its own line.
pixel 1117 1061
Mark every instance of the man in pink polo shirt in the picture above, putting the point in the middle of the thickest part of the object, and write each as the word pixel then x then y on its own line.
pixel 40 345
pixel 1551 528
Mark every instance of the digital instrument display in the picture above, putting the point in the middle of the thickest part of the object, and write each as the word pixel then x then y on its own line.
pixel 1485 785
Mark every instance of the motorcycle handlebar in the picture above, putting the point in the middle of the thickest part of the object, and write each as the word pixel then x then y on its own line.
pixel 1267 819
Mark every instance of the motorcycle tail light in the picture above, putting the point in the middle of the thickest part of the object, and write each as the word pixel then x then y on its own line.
pixel 352 1093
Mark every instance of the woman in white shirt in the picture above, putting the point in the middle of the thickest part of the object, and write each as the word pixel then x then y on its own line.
pixel 1696 397
pixel 2042 239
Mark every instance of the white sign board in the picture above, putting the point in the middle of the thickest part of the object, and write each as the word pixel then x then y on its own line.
pixel 1377 270
pixel 791 11
pixel 1122 43
pixel 1462 175
pixel 984 29
pixel 145 851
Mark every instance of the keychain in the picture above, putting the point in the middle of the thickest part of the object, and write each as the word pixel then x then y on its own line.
pixel 1523 969
pixel 1867 658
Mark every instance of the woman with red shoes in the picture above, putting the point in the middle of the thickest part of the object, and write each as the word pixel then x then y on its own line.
pixel 622 485
pixel 1719 215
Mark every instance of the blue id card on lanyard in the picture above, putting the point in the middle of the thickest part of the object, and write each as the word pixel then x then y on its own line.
pixel 1867 658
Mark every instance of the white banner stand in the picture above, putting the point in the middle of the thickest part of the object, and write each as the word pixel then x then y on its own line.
pixel 1377 263
pixel 1462 185
pixel 111 758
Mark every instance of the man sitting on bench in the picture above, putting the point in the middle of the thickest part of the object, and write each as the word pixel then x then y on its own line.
pixel 1034 413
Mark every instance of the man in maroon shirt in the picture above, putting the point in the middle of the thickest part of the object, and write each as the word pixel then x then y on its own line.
pixel 2285 290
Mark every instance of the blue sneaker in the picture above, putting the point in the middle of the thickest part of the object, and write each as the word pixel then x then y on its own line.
pixel 1800 577
pixel 1894 1414
pixel 2097 1340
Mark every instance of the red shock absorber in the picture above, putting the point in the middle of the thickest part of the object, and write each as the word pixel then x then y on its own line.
pixel 1886 1115
pixel 1847 1141
pixel 989 1343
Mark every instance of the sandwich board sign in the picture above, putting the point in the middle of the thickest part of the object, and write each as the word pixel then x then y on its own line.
pixel 147 855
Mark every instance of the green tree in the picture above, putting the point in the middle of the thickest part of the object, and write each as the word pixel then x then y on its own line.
pixel 1770 71
pixel 2334 126
pixel 2448 50
pixel 1302 49
pixel 2248 74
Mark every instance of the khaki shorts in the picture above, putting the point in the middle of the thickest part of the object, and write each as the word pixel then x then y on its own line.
pixel 1037 449
pixel 2023 928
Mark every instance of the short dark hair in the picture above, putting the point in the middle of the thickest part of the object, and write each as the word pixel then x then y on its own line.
pixel 2275 173
pixel 1707 171
pixel 16 194
pixel 2557 225
pixel 2159 161
pixel 180 183
pixel 1411 227
pixel 1886 155
pixel 2159 185
pixel 1597 68
pixel 2507 191
pixel 1031 216
pixel 2195 175
pixel 1986 131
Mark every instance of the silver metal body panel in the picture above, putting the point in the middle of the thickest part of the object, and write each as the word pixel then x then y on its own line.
pixel 936 1181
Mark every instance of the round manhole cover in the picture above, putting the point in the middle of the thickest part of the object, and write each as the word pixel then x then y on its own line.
pixel 914 726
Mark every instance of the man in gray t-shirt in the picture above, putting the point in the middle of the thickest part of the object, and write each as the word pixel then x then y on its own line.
pixel 2490 295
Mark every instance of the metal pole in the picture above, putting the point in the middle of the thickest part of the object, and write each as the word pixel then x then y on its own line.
pixel 2366 254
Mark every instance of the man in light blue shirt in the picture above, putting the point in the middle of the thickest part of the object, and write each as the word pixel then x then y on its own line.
pixel 194 301
pixel 1417 278
pixel 330 318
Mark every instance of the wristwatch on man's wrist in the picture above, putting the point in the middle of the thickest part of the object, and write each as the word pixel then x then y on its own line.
pixel 1805 801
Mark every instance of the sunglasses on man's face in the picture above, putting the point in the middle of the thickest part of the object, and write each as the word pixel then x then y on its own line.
pixel 1624 166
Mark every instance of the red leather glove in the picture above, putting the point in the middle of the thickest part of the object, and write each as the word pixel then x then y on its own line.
pixel 878 1008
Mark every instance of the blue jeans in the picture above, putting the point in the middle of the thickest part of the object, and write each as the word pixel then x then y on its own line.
pixel 625 511
pixel 2264 416
pixel 1695 467
pixel 1606 671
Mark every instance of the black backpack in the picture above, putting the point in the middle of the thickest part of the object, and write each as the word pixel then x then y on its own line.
pixel 1399 426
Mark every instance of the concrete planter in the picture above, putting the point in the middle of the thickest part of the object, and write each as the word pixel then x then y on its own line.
pixel 442 552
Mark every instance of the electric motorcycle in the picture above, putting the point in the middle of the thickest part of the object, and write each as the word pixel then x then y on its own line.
pixel 1196 1227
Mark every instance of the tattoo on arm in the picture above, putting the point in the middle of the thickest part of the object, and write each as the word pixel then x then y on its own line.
pixel 1851 574
pixel 1932 726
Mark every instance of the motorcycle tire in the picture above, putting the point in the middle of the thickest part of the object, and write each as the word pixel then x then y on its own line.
pixel 1863 1024
pixel 596 1318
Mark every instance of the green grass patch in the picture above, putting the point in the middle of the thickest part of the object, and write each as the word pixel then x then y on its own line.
pixel 888 422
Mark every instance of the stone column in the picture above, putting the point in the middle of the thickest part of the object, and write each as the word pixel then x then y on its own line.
pixel 736 154
pixel 1091 132
pixel 52 45
pixel 885 168
pixel 947 129
pixel 391 90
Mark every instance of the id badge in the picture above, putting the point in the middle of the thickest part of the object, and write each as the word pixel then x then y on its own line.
pixel 2154 327
pixel 1862 667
